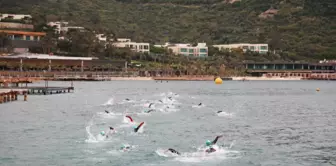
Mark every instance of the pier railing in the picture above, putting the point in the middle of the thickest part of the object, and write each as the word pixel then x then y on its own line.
pixel 65 74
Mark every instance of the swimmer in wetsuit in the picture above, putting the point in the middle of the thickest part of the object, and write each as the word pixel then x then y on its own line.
pixel 174 151
pixel 148 111
pixel 107 111
pixel 199 104
pixel 209 144
pixel 136 128
pixel 219 112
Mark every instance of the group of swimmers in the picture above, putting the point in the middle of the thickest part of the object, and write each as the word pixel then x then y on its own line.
pixel 209 144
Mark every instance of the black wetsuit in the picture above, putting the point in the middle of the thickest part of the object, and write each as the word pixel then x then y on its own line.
pixel 210 150
pixel 199 104
pixel 127 99
pixel 151 110
pixel 136 129
pixel 219 112
pixel 150 105
pixel 174 151
pixel 107 111
pixel 161 101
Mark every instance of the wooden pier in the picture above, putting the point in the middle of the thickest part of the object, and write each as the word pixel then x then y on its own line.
pixel 7 96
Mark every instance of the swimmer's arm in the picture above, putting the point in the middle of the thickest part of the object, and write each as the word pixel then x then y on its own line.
pixel 216 139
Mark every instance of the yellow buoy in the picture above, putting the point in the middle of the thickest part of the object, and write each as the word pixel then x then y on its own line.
pixel 218 80
pixel 317 89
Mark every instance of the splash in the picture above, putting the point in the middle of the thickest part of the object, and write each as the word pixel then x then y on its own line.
pixel 109 102
pixel 165 153
pixel 110 115
pixel 226 114
pixel 199 106
pixel 91 138
pixel 200 155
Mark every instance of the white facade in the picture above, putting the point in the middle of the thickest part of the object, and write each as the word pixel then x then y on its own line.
pixel 15 16
pixel 260 48
pixel 51 57
pixel 63 26
pixel 138 47
pixel 201 50
pixel 101 37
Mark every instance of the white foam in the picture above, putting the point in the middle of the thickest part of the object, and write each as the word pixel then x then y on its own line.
pixel 109 102
pixel 200 155
pixel 91 138
pixel 110 115
pixel 165 153
pixel 199 106
pixel 226 114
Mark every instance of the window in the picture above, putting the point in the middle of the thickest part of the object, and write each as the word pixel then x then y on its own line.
pixel 35 38
pixel 131 46
pixel 191 54
pixel 263 47
pixel 27 37
pixel 191 50
pixel 183 50
pixel 145 47
pixel 203 50
pixel 202 55
pixel 245 47
pixel 140 47
pixel 252 47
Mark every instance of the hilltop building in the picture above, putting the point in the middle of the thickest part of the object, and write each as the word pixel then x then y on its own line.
pixel 260 48
pixel 200 50
pixel 134 46
pixel 15 16
pixel 62 27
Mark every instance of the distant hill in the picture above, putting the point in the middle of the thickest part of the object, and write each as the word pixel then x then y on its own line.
pixel 301 27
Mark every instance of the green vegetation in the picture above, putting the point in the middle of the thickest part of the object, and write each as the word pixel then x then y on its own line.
pixel 302 30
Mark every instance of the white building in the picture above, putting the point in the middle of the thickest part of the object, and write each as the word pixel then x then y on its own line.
pixel 200 50
pixel 260 48
pixel 15 16
pixel 63 27
pixel 101 37
pixel 137 47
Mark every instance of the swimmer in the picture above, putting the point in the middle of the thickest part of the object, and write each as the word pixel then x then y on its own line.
pixel 129 117
pixel 174 151
pixel 107 111
pixel 125 147
pixel 127 99
pixel 150 105
pixel 148 111
pixel 136 128
pixel 209 144
pixel 199 104
pixel 102 133
pixel 110 132
pixel 161 101
pixel 219 112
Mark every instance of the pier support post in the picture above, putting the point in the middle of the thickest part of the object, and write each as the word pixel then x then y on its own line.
pixel 13 96
pixel 21 64
pixel 82 66
pixel 8 97
pixel 25 96
pixel 1 99
pixel 4 98
pixel 16 96
pixel 49 67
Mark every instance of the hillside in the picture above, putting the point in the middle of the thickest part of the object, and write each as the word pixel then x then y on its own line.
pixel 304 28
